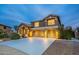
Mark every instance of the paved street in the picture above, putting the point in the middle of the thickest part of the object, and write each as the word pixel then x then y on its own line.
pixel 63 47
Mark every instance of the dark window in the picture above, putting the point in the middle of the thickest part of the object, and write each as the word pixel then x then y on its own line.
pixel 4 27
pixel 23 27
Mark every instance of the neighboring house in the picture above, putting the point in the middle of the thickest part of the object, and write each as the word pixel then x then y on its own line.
pixel 77 33
pixel 48 27
pixel 5 28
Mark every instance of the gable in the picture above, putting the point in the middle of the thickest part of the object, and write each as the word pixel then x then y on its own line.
pixel 54 17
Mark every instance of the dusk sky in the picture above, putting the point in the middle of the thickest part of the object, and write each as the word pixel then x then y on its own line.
pixel 15 14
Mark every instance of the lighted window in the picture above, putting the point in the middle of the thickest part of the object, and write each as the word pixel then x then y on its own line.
pixel 36 24
pixel 51 22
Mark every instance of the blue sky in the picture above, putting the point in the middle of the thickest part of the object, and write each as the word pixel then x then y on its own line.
pixel 15 14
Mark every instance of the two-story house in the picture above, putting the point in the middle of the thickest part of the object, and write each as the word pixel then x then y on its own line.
pixel 48 27
pixel 5 28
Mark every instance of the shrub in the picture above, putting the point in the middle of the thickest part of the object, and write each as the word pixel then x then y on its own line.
pixel 14 36
pixel 61 30
pixel 1 31
pixel 66 33
pixel 1 36
pixel 4 35
pixel 69 34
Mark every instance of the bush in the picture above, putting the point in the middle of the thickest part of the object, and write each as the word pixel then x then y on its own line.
pixel 66 33
pixel 4 35
pixel 69 34
pixel 61 30
pixel 1 36
pixel 14 36
pixel 1 31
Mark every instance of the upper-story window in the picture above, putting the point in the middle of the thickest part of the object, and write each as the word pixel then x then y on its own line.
pixel 4 27
pixel 36 24
pixel 51 22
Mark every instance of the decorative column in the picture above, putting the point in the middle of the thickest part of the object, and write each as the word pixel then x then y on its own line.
pixel 27 32
pixel 31 33
pixel 45 33
pixel 57 34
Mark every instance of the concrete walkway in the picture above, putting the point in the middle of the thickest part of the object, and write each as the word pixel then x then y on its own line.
pixel 5 50
pixel 63 47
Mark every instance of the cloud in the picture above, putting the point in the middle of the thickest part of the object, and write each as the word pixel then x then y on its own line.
pixel 13 14
pixel 26 13
pixel 9 17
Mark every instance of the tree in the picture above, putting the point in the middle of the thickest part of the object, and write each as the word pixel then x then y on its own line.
pixel 1 31
pixel 14 36
pixel 3 34
pixel 61 30
pixel 66 33
pixel 69 34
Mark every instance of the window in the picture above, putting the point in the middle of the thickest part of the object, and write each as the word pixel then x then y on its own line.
pixel 36 24
pixel 51 22
pixel 23 27
pixel 4 27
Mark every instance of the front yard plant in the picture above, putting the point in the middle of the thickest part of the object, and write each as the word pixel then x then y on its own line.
pixel 14 36
pixel 3 34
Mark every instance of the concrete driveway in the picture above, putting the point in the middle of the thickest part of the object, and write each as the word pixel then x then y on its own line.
pixel 32 46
